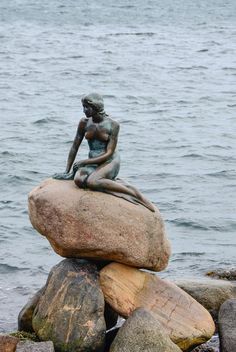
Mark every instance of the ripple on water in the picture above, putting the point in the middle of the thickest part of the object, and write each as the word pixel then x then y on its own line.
pixel 11 269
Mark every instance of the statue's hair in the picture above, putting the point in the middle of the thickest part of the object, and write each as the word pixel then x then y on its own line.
pixel 95 100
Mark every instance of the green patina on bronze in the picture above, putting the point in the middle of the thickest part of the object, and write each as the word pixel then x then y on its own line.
pixel 100 170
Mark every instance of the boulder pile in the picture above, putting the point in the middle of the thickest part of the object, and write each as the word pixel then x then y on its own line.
pixel 106 242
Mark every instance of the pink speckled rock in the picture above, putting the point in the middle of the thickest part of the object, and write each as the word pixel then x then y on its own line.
pixel 87 224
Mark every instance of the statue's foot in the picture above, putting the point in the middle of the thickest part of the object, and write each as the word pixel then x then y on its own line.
pixel 146 203
pixel 149 205
pixel 64 176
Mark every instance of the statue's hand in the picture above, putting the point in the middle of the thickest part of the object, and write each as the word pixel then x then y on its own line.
pixel 78 164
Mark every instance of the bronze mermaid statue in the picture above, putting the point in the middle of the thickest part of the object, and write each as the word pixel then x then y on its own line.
pixel 100 170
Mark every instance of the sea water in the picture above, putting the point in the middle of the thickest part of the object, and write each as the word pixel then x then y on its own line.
pixel 167 71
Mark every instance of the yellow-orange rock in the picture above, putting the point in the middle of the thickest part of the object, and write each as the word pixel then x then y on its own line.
pixel 184 319
pixel 86 224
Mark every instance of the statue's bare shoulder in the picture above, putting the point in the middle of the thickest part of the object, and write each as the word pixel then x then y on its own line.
pixel 115 126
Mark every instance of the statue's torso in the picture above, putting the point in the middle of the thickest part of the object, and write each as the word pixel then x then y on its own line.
pixel 98 135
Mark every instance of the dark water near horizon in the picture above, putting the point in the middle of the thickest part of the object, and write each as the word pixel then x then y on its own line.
pixel 167 71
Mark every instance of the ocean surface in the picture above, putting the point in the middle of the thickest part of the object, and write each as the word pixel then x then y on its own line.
pixel 167 71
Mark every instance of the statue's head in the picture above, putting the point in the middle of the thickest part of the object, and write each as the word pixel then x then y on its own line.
pixel 93 104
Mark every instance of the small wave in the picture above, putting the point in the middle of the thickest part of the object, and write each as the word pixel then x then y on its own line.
pixel 164 174
pixel 221 173
pixel 192 155
pixel 43 121
pixel 225 244
pixel 47 120
pixel 223 229
pixel 192 254
pixel 13 178
pixel 148 34
pixel 6 202
pixel 128 122
pixel 189 224
pixel 155 111
pixel 230 92
pixel 6 268
pixel 131 97
pixel 220 146
pixel 194 67
pixel 107 52
pixel 229 68
pixel 94 74
pixel 202 50
pixel 23 290
pixel 174 260
pixel 32 172
pixel 39 269
pixel 76 57
pixel 183 102
pixel 125 6
pixel 109 96
pixel 7 153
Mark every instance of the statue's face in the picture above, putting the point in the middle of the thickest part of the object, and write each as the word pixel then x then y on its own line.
pixel 88 110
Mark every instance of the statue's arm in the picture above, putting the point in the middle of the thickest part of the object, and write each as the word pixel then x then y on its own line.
pixel 76 144
pixel 111 147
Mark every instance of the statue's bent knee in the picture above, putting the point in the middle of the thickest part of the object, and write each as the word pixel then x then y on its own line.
pixel 80 182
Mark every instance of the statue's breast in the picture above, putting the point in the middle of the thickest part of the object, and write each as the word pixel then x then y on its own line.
pixel 99 131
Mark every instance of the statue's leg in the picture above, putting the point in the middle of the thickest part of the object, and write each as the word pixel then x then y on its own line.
pixel 81 177
pixel 102 180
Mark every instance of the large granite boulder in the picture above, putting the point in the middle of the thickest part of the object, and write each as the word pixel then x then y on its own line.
pixel 142 332
pixel 26 314
pixel 210 293
pixel 70 311
pixel 186 321
pixel 88 224
pixel 227 326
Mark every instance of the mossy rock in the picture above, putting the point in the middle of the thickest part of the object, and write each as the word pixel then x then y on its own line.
pixel 23 335
pixel 70 312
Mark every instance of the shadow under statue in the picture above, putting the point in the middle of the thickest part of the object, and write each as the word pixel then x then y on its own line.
pixel 100 170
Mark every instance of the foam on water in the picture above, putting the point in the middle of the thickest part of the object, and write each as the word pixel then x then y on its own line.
pixel 167 73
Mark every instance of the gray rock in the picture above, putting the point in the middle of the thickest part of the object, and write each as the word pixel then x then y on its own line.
pixel 225 274
pixel 29 346
pixel 26 314
pixel 210 293
pixel 212 345
pixel 142 332
pixel 70 312
pixel 227 326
